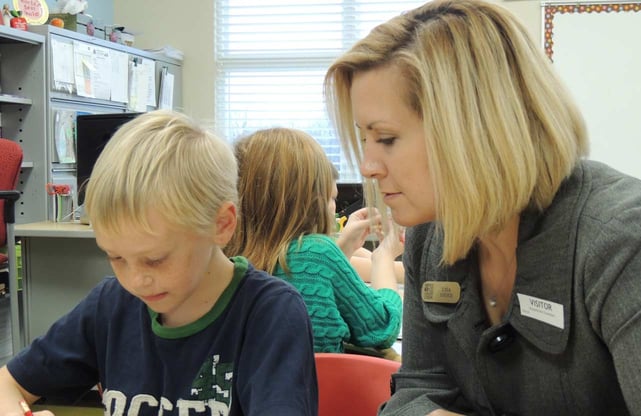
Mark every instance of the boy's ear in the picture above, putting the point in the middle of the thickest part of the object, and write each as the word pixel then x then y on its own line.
pixel 225 223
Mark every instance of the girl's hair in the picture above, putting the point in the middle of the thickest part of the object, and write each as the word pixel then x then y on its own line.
pixel 165 161
pixel 285 183
pixel 500 129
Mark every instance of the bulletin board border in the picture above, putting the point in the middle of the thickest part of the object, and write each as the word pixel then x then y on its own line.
pixel 552 9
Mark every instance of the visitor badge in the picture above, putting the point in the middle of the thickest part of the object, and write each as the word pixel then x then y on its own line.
pixel 542 310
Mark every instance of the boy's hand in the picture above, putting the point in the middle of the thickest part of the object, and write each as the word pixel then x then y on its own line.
pixel 14 399
pixel 39 413
pixel 26 411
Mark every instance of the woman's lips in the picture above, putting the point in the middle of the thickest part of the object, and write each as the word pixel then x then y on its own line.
pixel 390 197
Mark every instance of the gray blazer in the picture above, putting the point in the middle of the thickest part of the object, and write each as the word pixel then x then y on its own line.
pixel 579 353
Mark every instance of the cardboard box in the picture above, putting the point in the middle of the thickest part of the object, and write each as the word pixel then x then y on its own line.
pixel 70 20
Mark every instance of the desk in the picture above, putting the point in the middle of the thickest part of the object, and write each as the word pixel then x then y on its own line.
pixel 69 410
pixel 60 264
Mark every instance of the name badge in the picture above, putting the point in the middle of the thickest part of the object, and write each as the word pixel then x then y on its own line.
pixel 441 292
pixel 542 310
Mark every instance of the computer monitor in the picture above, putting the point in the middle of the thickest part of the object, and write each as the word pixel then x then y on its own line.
pixel 350 198
pixel 93 131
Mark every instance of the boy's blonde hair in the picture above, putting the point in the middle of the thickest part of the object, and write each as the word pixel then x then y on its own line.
pixel 285 183
pixel 501 131
pixel 165 161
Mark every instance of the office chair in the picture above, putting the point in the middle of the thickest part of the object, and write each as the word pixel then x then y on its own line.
pixel 10 162
pixel 351 384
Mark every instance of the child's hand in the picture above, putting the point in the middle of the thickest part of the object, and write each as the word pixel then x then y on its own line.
pixel 356 231
pixel 392 244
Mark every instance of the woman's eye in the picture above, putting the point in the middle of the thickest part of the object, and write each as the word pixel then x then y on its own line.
pixel 386 141
pixel 113 259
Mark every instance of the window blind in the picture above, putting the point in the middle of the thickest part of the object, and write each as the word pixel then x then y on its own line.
pixel 271 57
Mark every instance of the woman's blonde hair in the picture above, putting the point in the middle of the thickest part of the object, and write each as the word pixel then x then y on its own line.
pixel 284 186
pixel 165 161
pixel 500 129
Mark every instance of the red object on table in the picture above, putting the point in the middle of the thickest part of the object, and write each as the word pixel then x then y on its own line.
pixel 53 189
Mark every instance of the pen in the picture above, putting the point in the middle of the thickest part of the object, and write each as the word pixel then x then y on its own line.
pixel 25 408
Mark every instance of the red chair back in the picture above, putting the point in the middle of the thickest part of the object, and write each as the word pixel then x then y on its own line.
pixel 10 161
pixel 352 384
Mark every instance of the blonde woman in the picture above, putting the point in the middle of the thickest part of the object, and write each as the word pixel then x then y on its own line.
pixel 522 290
pixel 285 185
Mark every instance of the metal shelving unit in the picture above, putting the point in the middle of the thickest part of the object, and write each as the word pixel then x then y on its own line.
pixel 57 99
pixel 22 105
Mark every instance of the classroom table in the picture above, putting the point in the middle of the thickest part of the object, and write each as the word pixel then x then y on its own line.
pixel 69 410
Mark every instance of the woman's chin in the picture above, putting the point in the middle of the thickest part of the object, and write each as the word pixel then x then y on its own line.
pixel 405 220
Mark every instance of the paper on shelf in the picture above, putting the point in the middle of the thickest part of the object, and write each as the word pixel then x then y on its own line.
pixel 166 99
pixel 138 86
pixel 64 136
pixel 119 76
pixel 101 76
pixel 62 62
pixel 149 72
pixel 83 68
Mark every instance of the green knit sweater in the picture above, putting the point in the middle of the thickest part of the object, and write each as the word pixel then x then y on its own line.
pixel 341 306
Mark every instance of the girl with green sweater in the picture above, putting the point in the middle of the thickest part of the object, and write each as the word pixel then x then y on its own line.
pixel 285 190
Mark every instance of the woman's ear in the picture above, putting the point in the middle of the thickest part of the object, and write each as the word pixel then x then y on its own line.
pixel 225 223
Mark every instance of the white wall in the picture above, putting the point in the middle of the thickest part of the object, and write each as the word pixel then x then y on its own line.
pixel 187 26
pixel 190 29
pixel 597 54
pixel 528 11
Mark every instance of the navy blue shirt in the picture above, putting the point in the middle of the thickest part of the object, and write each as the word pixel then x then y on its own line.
pixel 251 354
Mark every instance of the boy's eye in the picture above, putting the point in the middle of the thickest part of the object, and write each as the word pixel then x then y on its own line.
pixel 155 262
pixel 386 141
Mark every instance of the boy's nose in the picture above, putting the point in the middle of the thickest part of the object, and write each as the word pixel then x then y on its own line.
pixel 140 278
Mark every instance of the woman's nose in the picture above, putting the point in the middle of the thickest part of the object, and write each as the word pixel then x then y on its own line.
pixel 371 168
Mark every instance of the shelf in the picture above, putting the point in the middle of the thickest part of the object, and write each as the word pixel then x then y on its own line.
pixel 23 106
pixel 10 35
pixel 14 99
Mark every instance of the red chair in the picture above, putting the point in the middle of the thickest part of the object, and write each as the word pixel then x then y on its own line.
pixel 352 384
pixel 10 161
